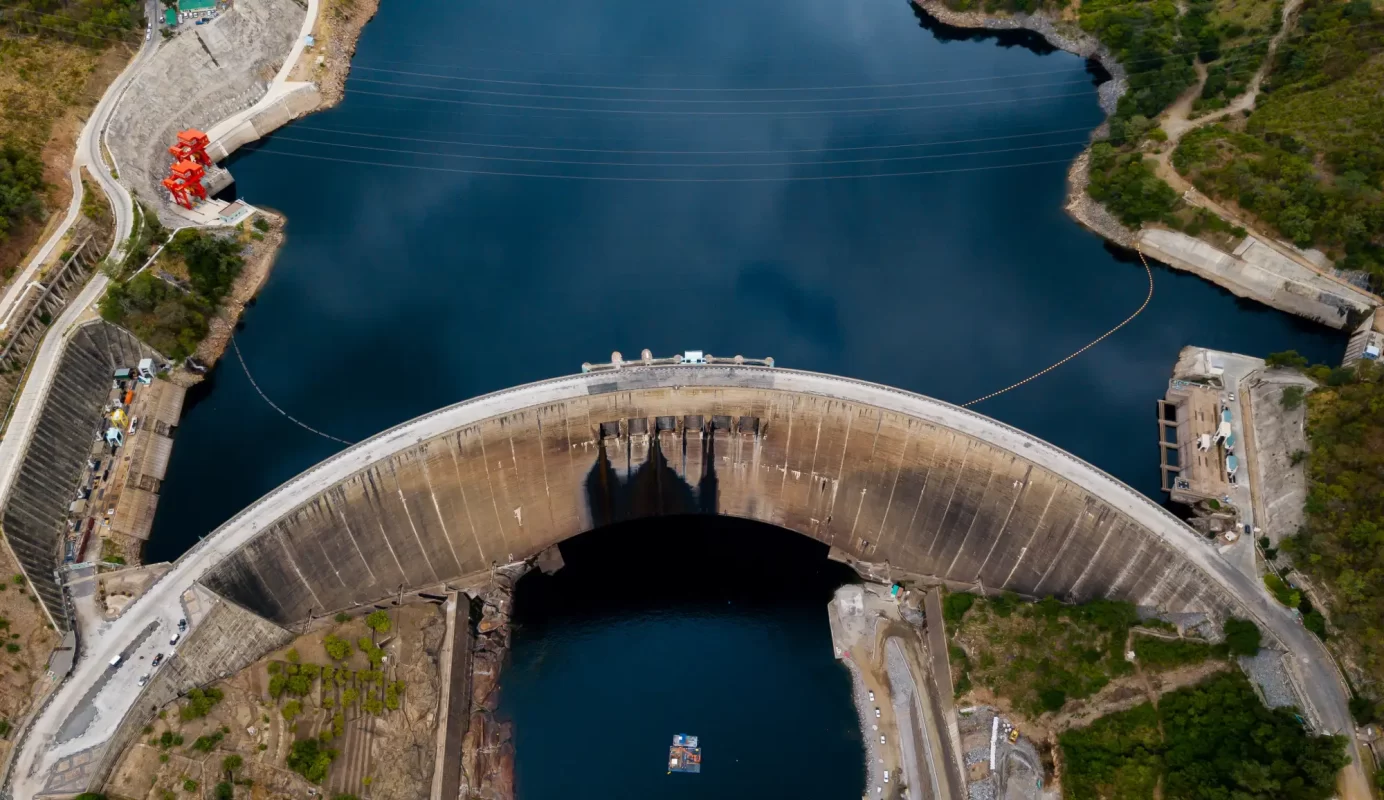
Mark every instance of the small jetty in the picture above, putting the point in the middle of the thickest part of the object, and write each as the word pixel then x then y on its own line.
pixel 685 755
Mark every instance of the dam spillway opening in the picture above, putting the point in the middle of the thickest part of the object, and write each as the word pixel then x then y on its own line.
pixel 706 623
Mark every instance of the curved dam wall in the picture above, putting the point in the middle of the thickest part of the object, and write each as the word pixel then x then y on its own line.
pixel 884 475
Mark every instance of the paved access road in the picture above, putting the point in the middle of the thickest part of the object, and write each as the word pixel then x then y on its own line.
pixel 89 155
pixel 1325 695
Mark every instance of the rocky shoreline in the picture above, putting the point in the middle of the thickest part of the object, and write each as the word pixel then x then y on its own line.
pixel 487 749
pixel 1080 206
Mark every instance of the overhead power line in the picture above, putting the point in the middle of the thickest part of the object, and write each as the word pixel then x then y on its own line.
pixel 691 152
pixel 694 166
pixel 625 179
pixel 763 101
pixel 652 112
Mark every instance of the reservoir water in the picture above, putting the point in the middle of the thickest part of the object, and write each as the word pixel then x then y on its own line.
pixel 712 627
pixel 509 190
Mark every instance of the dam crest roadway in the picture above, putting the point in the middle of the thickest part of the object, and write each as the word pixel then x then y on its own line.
pixel 903 485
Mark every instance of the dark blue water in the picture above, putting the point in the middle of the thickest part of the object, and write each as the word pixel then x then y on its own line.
pixel 402 289
pixel 483 209
pixel 652 630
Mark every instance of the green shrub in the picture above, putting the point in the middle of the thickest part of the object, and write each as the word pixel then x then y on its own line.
pixel 955 605
pixel 189 785
pixel 378 621
pixel 310 759
pixel 338 649
pixel 1169 653
pixel 200 703
pixel 206 744
pixel 1126 185
pixel 1242 637
pixel 1284 593
pixel 21 186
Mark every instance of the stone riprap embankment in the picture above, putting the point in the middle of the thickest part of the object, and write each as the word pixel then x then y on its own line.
pixel 1258 271
pixel 204 74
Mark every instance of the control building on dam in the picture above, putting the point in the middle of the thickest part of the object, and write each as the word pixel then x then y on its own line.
pixel 884 476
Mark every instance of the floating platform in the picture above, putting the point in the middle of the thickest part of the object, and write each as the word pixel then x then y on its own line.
pixel 684 755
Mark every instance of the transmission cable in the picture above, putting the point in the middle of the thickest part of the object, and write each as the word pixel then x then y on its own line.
pixel 686 152
pixel 701 166
pixel 777 100
pixel 651 112
pixel 624 179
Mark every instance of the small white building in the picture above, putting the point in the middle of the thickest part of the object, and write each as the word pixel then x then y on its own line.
pixel 235 212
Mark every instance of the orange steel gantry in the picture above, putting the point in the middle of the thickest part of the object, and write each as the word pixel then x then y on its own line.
pixel 185 181
pixel 192 146
pixel 190 160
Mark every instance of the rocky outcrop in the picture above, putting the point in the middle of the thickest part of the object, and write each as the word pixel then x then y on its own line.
pixel 487 761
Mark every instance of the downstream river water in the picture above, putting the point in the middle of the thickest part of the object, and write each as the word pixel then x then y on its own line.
pixel 510 190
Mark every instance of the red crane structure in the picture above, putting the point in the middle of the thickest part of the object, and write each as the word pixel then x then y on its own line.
pixel 185 181
pixel 190 161
pixel 192 146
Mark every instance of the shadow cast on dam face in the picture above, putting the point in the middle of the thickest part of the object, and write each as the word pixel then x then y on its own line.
pixel 960 503
pixel 623 492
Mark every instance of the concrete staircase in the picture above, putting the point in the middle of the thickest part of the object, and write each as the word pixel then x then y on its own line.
pixel 34 516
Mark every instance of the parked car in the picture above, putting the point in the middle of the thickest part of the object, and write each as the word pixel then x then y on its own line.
pixel 158 659
pixel 175 639
pixel 143 679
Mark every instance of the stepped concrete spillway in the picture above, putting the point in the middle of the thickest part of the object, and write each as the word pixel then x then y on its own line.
pixel 882 475
pixel 36 509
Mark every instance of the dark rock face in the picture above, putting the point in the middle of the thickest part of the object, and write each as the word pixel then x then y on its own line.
pixel 488 746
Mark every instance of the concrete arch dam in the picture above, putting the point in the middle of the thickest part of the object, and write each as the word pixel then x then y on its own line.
pixel 881 474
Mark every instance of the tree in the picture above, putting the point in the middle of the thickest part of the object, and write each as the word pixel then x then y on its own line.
pixel 1286 358
pixel 379 621
pixel 310 759
pixel 224 791
pixel 1242 637
pixel 231 763
pixel 1292 397
pixel 292 709
pixel 21 186
pixel 338 649
pixel 200 703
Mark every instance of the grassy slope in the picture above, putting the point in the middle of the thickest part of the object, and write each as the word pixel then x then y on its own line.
pixel 48 80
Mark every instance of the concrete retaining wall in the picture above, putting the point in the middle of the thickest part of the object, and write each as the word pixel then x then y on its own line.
pixel 882 486
pixel 35 513
pixel 302 100
pixel 1258 272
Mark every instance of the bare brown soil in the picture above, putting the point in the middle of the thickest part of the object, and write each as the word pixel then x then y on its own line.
pixel 381 757
pixel 22 672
